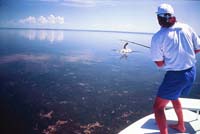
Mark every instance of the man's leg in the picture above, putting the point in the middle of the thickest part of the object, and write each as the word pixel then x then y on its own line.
pixel 178 109
pixel 159 106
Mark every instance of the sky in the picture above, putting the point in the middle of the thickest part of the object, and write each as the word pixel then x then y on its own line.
pixel 117 15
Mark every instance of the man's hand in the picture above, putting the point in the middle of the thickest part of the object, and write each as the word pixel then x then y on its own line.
pixel 160 63
pixel 197 51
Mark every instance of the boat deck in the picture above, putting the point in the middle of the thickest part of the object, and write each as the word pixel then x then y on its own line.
pixel 189 104
pixel 147 125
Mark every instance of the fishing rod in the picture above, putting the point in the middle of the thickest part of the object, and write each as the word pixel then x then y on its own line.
pixel 135 43
pixel 127 41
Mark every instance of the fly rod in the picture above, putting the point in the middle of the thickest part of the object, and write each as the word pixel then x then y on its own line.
pixel 127 41
pixel 135 43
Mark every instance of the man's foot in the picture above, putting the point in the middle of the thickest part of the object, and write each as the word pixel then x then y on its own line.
pixel 178 127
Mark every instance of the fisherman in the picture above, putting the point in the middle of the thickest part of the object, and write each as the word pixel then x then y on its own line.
pixel 173 48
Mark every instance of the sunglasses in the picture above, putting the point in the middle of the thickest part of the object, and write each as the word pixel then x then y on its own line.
pixel 166 15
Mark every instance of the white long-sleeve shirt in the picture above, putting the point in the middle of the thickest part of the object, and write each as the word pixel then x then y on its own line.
pixel 175 46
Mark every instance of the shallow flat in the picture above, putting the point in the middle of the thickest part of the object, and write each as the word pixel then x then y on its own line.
pixel 147 125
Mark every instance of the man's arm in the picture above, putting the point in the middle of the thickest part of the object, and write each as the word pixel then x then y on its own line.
pixel 160 63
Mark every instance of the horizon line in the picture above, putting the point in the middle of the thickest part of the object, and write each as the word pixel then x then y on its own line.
pixel 86 30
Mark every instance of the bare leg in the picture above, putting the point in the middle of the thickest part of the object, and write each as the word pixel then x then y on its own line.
pixel 159 106
pixel 178 109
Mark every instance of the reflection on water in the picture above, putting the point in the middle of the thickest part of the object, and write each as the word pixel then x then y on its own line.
pixel 78 86
pixel 83 57
pixel 49 35
pixel 22 57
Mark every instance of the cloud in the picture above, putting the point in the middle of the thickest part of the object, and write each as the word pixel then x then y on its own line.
pixel 49 0
pixel 42 20
pixel 79 3
pixel 51 19
pixel 55 19
pixel 29 20
pixel 86 3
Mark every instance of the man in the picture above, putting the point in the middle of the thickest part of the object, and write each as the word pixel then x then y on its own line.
pixel 173 47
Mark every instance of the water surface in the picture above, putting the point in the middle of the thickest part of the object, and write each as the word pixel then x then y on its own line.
pixel 75 82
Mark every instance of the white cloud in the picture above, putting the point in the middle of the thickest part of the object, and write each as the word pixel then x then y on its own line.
pixel 55 19
pixel 51 19
pixel 42 20
pixel 49 0
pixel 29 20
pixel 81 3
pixel 60 20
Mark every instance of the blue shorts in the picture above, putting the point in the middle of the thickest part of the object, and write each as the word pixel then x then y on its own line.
pixel 177 83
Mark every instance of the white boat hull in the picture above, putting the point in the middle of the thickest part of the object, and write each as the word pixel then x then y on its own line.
pixel 147 125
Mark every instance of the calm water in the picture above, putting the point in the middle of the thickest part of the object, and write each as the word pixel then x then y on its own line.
pixel 75 82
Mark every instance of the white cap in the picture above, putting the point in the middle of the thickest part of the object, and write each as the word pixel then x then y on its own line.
pixel 165 8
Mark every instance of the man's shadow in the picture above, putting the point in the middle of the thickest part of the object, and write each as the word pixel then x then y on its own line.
pixel 151 124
